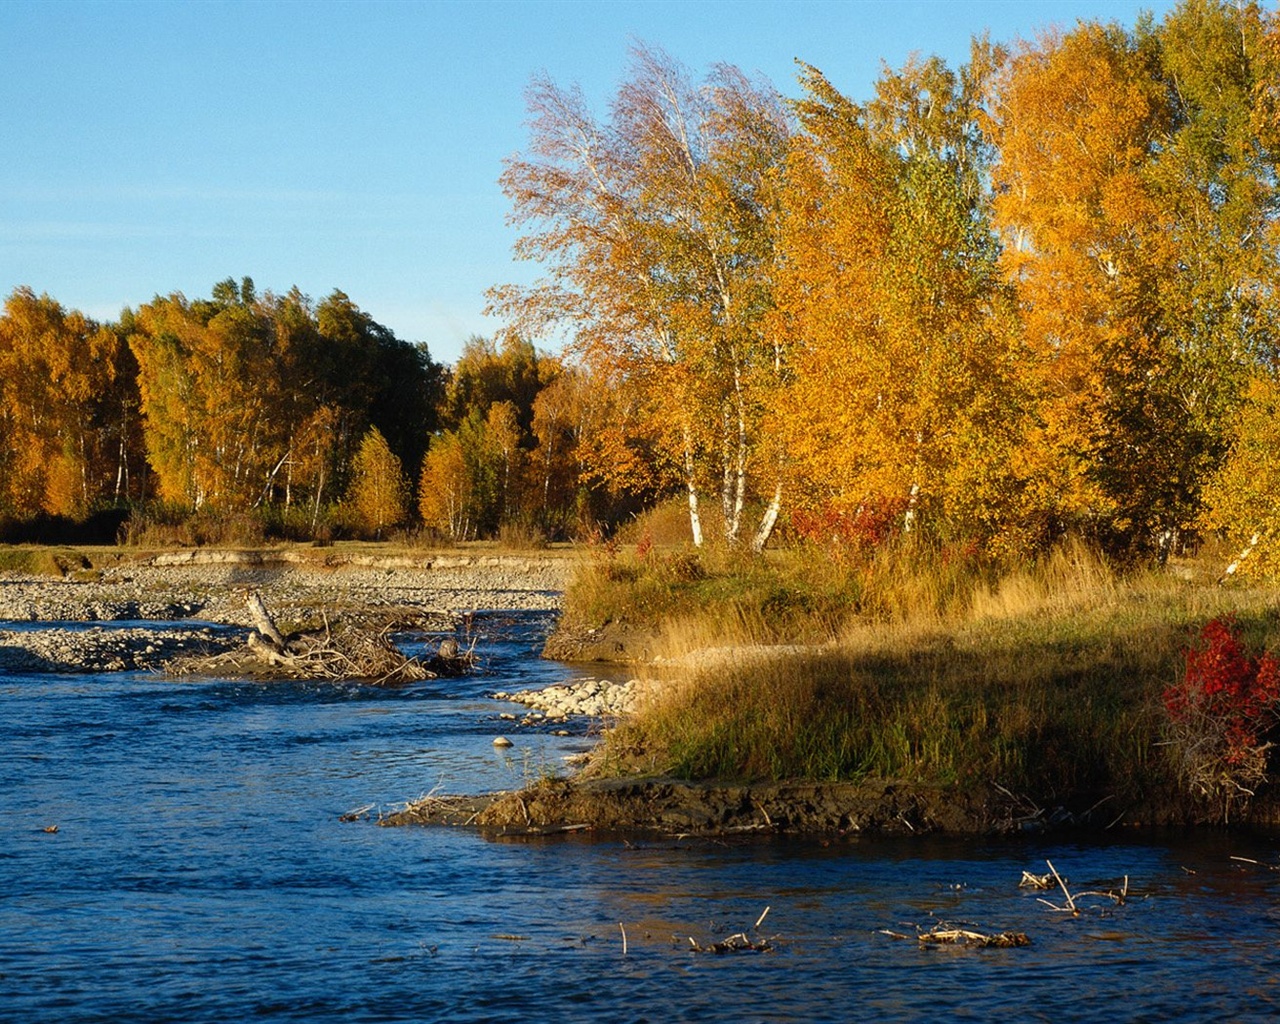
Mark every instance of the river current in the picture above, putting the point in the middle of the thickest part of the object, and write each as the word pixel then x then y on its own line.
pixel 200 872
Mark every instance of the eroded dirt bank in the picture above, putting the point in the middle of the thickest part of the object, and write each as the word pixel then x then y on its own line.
pixel 672 806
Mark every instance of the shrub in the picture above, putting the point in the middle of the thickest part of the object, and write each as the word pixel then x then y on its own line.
pixel 1221 715
pixel 867 526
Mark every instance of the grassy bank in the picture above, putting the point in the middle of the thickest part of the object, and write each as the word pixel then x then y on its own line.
pixel 912 665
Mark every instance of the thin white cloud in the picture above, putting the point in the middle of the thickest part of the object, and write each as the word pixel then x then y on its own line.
pixel 170 193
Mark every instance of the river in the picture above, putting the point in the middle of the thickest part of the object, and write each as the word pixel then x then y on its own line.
pixel 200 872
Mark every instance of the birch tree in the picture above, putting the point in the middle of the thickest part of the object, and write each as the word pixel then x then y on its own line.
pixel 655 227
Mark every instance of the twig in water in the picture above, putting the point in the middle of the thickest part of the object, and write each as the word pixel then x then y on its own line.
pixel 1072 908
pixel 1119 898
pixel 946 935
pixel 943 936
pixel 624 938
pixel 1071 903
pixel 1257 863
pixel 357 813
pixel 738 943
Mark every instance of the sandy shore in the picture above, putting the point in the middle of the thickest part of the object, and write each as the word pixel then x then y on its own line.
pixel 196 587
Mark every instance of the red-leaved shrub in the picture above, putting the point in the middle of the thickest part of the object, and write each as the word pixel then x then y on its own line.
pixel 1222 712
pixel 869 525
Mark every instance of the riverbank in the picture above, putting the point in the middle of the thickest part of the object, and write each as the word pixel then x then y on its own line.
pixel 886 807
pixel 682 807
pixel 1035 708
pixel 914 692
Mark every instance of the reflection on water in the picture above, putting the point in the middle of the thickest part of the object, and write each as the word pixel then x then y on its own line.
pixel 199 872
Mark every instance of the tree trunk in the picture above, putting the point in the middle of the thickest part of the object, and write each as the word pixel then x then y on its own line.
pixel 909 517
pixel 695 518
pixel 768 521
pixel 1231 569
pixel 262 620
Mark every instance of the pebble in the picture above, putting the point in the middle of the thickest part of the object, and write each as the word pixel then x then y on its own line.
pixel 208 585
pixel 594 698
pixel 502 741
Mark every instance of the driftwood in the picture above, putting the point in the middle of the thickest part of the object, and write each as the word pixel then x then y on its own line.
pixel 346 653
pixel 345 650
pixel 262 620
pixel 949 935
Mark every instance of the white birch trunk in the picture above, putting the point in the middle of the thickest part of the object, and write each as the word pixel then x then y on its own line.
pixel 909 517
pixel 1231 569
pixel 768 521
pixel 740 481
pixel 695 517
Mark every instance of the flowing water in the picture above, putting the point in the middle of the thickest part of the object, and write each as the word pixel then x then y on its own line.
pixel 199 872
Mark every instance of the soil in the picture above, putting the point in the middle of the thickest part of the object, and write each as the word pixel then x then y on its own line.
pixel 614 642
pixel 871 807
pixel 709 808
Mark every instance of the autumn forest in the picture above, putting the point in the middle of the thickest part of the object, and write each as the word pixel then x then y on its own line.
pixel 1032 296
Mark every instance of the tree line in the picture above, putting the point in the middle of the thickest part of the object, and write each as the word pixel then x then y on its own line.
pixel 1032 295
pixel 310 417
pixel 1035 294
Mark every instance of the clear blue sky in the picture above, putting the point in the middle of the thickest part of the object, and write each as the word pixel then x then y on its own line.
pixel 158 147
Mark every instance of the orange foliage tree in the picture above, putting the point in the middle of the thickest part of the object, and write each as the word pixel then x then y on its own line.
pixel 903 394
pixel 1135 199
pixel 65 405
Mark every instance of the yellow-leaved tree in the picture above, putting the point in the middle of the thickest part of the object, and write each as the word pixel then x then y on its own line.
pixel 1134 195
pixel 904 399
pixel 378 489
pixel 1242 500
pixel 64 406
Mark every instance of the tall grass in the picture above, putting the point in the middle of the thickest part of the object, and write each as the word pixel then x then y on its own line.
pixel 716 591
pixel 935 669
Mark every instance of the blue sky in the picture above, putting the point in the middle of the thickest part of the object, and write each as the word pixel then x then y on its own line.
pixel 159 147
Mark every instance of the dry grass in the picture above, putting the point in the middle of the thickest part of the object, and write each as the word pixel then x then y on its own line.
pixel 1045 680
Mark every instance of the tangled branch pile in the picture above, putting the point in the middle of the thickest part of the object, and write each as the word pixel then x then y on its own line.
pixel 345 650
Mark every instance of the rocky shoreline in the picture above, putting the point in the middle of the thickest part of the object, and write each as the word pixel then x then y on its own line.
pixel 200 590
pixel 591 698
